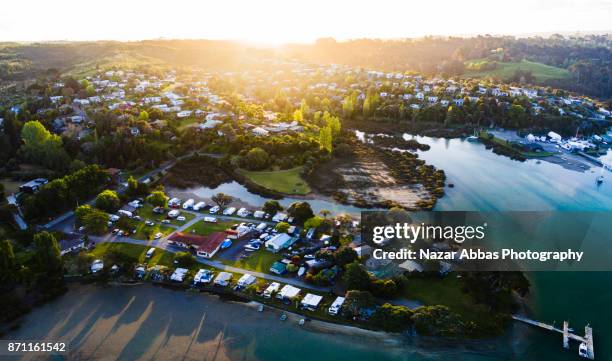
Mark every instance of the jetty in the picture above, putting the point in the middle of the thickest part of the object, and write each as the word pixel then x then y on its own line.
pixel 595 160
pixel 586 348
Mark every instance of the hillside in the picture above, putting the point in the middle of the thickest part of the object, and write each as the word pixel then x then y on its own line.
pixel 506 70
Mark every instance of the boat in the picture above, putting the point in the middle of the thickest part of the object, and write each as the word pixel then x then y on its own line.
pixel 302 322
pixel 283 317
pixel 472 138
pixel 583 350
pixel 600 179
pixel 260 308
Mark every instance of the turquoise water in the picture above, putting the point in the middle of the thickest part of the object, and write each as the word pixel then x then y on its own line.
pixel 152 323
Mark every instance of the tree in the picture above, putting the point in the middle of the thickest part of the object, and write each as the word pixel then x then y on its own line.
pixel 392 318
pixel 132 188
pixel 300 211
pixel 313 222
pixel 81 212
pixel 158 199
pixel 356 301
pixel 345 255
pixel 272 207
pixel 356 277
pixel 95 221
pixel 256 159
pixel 8 264
pixel 143 115
pixel 47 253
pixel 42 147
pixel 221 200
pixel 325 213
pixel 325 138
pixel 108 201
pixel 282 227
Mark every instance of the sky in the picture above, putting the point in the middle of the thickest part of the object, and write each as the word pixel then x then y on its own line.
pixel 281 21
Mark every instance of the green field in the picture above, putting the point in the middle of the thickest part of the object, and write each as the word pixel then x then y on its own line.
pixel 205 228
pixel 446 291
pixel 259 261
pixel 138 252
pixel 505 70
pixel 286 181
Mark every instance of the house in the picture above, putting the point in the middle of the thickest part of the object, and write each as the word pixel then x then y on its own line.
pixel 223 279
pixel 311 301
pixel 259 214
pixel 258 131
pixel 411 266
pixel 272 288
pixel 278 267
pixel 71 242
pixel 279 242
pixel 336 306
pixel 205 246
pixel 288 292
pixel 33 186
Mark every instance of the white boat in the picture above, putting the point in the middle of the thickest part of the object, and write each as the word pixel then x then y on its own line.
pixel 302 322
pixel 472 138
pixel 583 350
pixel 600 179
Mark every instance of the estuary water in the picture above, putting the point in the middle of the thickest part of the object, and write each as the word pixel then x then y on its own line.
pixel 148 323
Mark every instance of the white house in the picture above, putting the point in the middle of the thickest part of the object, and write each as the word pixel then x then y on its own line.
pixel 272 288
pixel 279 241
pixel 179 274
pixel 246 280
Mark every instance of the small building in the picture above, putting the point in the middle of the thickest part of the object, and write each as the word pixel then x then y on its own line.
pixel 311 301
pixel 204 246
pixel 278 267
pixel 279 242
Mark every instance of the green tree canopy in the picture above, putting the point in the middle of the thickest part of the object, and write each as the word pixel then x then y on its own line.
pixel 47 253
pixel 300 211
pixel 108 201
pixel 356 277
pixel 158 199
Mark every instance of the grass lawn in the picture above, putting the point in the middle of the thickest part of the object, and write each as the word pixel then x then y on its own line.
pixel 285 181
pixel 205 228
pixel 10 186
pixel 446 291
pixel 148 232
pixel 259 261
pixel 146 212
pixel 160 256
pixel 184 123
pixel 506 70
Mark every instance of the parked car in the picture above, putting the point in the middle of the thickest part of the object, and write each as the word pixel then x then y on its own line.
pixel 166 221
pixel 149 223
pixel 158 235
pixel 180 218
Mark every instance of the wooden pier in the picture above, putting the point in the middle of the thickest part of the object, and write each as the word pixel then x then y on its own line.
pixel 587 339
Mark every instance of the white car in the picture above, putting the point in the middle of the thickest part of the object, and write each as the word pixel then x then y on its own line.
pixel 214 209
pixel 149 223
pixel 180 218
pixel 158 235
pixel 166 221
